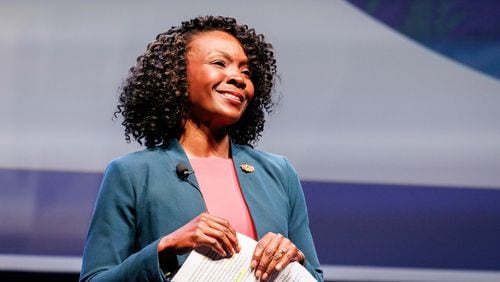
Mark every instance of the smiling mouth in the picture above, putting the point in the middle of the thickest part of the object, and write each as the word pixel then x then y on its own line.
pixel 232 97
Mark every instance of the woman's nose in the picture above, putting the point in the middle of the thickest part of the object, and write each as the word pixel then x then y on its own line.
pixel 237 80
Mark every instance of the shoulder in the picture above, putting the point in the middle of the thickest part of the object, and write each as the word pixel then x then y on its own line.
pixel 139 160
pixel 270 161
pixel 143 168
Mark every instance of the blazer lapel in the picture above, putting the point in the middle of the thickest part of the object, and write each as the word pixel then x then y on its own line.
pixel 249 179
pixel 178 156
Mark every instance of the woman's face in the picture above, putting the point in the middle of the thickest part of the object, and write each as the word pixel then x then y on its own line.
pixel 218 76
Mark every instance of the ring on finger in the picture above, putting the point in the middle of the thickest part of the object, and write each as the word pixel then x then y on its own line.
pixel 280 254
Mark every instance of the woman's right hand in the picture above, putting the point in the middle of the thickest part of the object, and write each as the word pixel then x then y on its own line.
pixel 204 230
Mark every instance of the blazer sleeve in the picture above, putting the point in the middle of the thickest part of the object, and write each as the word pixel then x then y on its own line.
pixel 110 252
pixel 298 224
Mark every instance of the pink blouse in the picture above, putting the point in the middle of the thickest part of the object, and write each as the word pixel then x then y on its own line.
pixel 222 193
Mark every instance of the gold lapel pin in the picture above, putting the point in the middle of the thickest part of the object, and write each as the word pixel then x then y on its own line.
pixel 248 168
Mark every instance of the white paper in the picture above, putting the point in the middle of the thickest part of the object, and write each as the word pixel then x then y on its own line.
pixel 206 265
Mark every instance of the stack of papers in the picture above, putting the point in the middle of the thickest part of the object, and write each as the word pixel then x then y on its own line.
pixel 207 265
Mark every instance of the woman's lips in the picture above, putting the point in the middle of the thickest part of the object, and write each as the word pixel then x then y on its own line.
pixel 232 96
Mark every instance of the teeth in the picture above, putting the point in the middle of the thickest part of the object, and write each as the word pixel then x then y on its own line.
pixel 231 96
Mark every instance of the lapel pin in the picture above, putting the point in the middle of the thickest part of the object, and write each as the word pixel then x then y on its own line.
pixel 248 168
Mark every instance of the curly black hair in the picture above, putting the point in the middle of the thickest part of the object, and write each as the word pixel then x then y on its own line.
pixel 153 99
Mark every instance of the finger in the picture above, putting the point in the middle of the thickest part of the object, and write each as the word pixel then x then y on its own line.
pixel 221 238
pixel 267 256
pixel 207 240
pixel 285 260
pixel 259 249
pixel 228 232
pixel 218 220
pixel 213 230
pixel 284 255
pixel 223 222
pixel 225 236
pixel 208 236
pixel 278 256
pixel 301 258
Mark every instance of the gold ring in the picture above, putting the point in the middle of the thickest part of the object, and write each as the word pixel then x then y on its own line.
pixel 280 254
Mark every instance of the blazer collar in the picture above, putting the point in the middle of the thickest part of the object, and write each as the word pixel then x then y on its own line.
pixel 178 156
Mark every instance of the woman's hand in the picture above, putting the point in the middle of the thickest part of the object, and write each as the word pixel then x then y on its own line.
pixel 273 253
pixel 204 230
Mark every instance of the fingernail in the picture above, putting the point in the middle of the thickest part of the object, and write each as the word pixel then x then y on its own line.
pixel 264 277
pixel 258 273
pixel 278 267
pixel 233 251
pixel 253 264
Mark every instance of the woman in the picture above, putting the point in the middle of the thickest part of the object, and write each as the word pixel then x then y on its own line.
pixel 197 99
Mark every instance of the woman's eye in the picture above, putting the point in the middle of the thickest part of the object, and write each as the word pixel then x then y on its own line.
pixel 219 63
pixel 246 72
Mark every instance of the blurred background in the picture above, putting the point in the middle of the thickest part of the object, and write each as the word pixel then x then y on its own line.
pixel 389 110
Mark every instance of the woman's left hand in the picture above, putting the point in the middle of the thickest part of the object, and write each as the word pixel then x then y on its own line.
pixel 273 253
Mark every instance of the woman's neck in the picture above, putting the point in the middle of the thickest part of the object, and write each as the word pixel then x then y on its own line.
pixel 201 141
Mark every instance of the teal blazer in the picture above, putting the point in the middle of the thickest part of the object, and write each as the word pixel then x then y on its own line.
pixel 142 199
